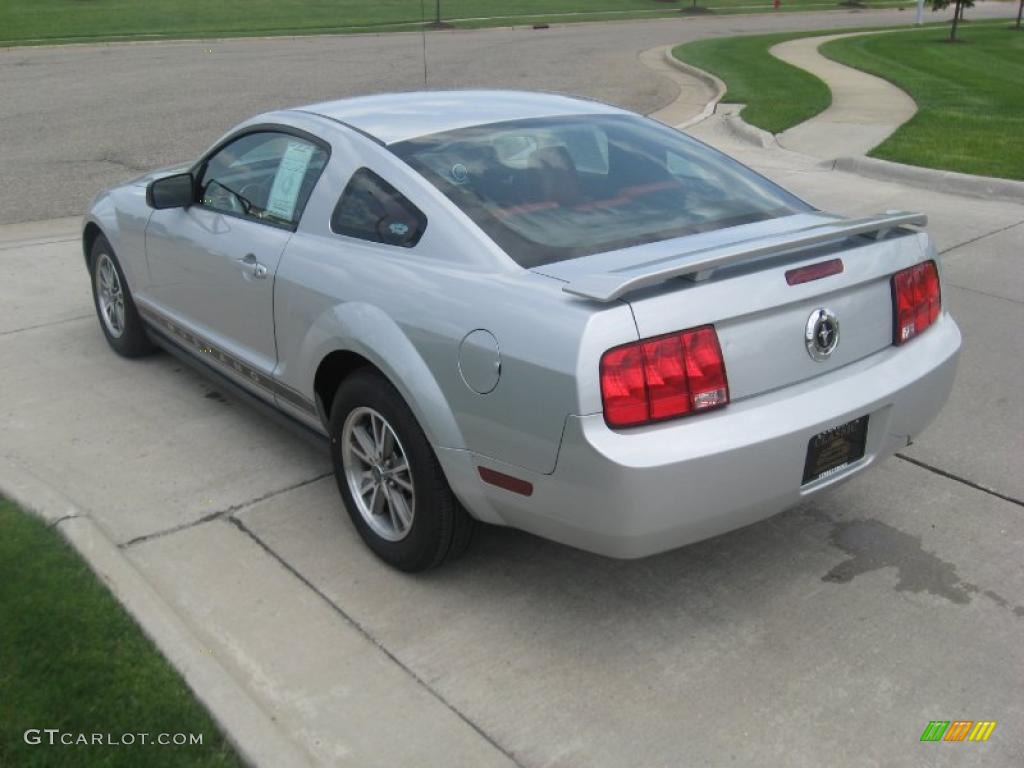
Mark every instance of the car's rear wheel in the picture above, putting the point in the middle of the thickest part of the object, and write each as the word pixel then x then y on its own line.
pixel 389 478
pixel 119 319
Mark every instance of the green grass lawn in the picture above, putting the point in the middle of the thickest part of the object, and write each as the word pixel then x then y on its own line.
pixel 34 21
pixel 970 96
pixel 72 659
pixel 777 95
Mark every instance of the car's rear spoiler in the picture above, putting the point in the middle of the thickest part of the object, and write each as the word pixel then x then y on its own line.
pixel 608 286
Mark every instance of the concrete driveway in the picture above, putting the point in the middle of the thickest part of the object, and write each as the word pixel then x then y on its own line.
pixel 828 635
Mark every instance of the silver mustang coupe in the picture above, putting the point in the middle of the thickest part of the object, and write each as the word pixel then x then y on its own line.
pixel 531 310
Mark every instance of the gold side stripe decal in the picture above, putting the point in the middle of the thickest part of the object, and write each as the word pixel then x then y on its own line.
pixel 209 352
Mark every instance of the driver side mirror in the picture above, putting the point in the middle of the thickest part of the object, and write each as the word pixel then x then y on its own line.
pixel 176 191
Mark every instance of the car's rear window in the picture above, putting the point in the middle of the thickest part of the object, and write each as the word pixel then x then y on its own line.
pixel 550 189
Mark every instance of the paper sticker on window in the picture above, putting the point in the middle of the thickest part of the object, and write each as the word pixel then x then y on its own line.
pixel 288 181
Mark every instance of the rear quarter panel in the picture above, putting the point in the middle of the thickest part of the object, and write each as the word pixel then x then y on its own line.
pixel 408 310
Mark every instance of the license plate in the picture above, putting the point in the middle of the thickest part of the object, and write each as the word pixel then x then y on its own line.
pixel 835 448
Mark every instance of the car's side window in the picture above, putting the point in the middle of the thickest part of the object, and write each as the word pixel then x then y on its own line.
pixel 371 209
pixel 265 177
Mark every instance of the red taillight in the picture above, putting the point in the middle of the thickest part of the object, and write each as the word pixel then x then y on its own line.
pixel 916 300
pixel 705 368
pixel 668 393
pixel 623 386
pixel 663 377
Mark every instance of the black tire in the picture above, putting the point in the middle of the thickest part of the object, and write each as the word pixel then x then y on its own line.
pixel 440 528
pixel 132 340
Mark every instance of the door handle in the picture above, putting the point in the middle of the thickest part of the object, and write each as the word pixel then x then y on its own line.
pixel 259 271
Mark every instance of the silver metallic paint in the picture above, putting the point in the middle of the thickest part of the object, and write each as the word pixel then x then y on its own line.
pixel 624 493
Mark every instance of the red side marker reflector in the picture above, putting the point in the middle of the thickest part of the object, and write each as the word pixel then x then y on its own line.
pixel 814 271
pixel 507 482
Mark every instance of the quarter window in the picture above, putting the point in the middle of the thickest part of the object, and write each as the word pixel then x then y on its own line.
pixel 265 177
pixel 371 209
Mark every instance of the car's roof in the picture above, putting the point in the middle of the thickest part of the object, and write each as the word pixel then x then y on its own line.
pixel 393 117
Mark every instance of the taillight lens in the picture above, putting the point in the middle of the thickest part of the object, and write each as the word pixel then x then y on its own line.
pixel 624 386
pixel 916 300
pixel 663 377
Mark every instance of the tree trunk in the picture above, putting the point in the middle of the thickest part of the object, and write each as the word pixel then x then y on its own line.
pixel 956 20
pixel 1020 11
pixel 437 15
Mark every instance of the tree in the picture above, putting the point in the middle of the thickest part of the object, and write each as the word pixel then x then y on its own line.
pixel 694 8
pixel 958 13
pixel 1020 12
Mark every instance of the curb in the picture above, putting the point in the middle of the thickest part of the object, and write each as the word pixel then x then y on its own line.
pixel 744 131
pixel 730 112
pixel 713 82
pixel 250 730
pixel 936 180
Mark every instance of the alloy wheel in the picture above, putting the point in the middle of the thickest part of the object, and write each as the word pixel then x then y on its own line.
pixel 378 473
pixel 110 295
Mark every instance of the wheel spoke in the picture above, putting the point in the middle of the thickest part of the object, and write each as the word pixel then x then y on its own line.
pixel 362 445
pixel 396 522
pixel 366 483
pixel 378 435
pixel 399 466
pixel 402 481
pixel 383 505
pixel 400 509
pixel 387 442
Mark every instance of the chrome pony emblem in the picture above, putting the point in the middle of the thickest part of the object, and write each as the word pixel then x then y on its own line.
pixel 821 336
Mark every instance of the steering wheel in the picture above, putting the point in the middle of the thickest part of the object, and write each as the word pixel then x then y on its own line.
pixel 255 191
pixel 220 198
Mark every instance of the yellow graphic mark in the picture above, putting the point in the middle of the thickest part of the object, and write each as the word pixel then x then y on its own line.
pixel 958 730
pixel 982 730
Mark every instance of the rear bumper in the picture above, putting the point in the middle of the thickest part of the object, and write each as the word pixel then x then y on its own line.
pixel 637 492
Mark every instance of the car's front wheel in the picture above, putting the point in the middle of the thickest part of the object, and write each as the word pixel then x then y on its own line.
pixel 389 478
pixel 119 319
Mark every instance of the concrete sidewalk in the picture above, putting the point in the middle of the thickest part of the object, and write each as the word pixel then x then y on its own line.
pixel 865 109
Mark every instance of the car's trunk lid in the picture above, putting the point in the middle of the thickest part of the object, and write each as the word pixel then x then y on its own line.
pixel 760 318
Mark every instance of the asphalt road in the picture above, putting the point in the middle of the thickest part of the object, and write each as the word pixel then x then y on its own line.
pixel 828 635
pixel 78 118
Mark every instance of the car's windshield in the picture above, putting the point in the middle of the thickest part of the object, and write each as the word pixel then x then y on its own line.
pixel 556 188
